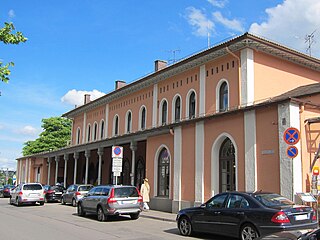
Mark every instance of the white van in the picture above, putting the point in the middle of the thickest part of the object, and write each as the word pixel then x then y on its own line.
pixel 24 193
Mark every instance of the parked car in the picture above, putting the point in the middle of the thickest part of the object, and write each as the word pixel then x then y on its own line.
pixel 111 200
pixel 246 215
pixel 74 193
pixel 5 192
pixel 27 193
pixel 53 193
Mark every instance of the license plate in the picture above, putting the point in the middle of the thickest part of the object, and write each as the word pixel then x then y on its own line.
pixel 59 193
pixel 301 217
pixel 128 202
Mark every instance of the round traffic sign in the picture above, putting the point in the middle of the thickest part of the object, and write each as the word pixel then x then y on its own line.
pixel 291 136
pixel 292 151
pixel 117 150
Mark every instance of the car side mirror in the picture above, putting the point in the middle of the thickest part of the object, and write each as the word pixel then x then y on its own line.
pixel 203 205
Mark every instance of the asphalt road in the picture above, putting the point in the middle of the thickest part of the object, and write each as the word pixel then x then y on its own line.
pixel 55 221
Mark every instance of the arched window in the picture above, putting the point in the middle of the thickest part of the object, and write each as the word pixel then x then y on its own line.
pixel 78 135
pixel 143 118
pixel 177 110
pixel 192 105
pixel 163 173
pixel 95 131
pixel 128 122
pixel 227 166
pixel 88 133
pixel 101 129
pixel 223 97
pixel 116 125
pixel 164 113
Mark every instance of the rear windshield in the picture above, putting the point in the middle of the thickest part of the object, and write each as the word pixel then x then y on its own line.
pixel 273 200
pixel 126 192
pixel 84 188
pixel 32 187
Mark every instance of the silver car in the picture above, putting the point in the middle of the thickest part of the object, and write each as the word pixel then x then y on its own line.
pixel 24 193
pixel 74 193
pixel 111 200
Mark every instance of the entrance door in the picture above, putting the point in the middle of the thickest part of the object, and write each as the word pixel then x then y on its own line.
pixel 227 167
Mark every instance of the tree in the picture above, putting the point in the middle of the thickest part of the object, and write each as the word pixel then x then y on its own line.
pixel 56 134
pixel 7 37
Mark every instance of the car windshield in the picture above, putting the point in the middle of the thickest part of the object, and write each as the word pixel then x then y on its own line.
pixel 84 188
pixel 32 187
pixel 273 200
pixel 126 192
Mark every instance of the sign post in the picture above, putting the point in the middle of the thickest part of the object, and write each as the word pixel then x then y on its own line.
pixel 117 155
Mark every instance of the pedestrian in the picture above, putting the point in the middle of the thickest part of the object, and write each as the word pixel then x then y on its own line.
pixel 145 190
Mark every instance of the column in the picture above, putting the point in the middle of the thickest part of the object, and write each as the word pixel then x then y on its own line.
pixel 26 170
pixel 177 142
pixel 87 155
pixel 199 164
pixel 57 168
pixel 133 147
pixel 66 158
pixel 49 170
pixel 100 154
pixel 76 157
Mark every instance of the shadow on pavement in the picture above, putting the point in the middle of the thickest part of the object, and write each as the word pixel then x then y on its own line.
pixel 205 236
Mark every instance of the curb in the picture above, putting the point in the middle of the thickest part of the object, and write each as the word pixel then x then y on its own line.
pixel 167 219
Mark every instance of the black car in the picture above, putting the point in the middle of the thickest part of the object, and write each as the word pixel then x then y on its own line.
pixel 246 215
pixel 53 193
pixel 5 192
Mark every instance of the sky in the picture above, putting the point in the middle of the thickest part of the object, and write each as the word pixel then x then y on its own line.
pixel 76 47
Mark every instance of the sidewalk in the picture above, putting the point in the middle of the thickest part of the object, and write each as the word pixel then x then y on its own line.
pixel 163 216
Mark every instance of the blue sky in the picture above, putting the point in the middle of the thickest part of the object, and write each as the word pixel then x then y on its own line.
pixel 76 47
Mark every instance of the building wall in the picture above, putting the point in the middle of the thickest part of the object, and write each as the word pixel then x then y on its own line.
pixel 222 69
pixel 281 76
pixel 267 149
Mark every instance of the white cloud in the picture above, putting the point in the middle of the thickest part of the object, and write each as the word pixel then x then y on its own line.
pixel 233 24
pixel 11 13
pixel 199 21
pixel 74 97
pixel 288 23
pixel 5 163
pixel 28 130
pixel 218 3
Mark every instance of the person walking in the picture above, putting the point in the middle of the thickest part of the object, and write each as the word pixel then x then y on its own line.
pixel 145 191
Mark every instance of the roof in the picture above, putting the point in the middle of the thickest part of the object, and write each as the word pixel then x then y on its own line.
pixel 246 40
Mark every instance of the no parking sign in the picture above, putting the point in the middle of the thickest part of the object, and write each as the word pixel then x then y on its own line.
pixel 117 152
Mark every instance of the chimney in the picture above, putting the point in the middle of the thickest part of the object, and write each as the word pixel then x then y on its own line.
pixel 87 98
pixel 120 84
pixel 159 64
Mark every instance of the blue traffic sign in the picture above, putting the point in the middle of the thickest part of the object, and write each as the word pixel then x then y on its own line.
pixel 291 136
pixel 292 151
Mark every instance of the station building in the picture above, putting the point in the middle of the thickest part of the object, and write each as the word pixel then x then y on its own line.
pixel 212 122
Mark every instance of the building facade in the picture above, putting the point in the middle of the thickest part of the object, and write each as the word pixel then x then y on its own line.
pixel 210 123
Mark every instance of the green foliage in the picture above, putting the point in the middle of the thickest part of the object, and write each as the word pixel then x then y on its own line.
pixel 56 134
pixel 7 37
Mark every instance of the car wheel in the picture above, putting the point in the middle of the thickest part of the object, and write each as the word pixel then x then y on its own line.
pixel 185 227
pixel 134 216
pixel 41 203
pixel 63 202
pixel 74 204
pixel 248 232
pixel 81 212
pixel 18 203
pixel 100 214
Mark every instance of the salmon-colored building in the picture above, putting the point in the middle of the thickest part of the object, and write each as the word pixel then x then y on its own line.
pixel 210 123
